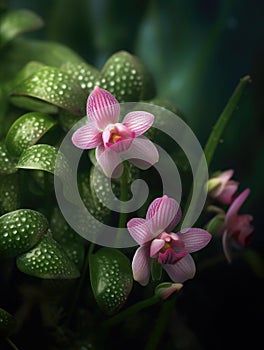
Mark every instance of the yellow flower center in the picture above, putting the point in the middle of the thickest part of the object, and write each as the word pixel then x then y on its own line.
pixel 114 138
pixel 165 247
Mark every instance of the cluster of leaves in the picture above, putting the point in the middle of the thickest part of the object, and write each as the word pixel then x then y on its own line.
pixel 41 100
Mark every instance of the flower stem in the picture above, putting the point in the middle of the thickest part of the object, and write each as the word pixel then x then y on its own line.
pixel 132 310
pixel 158 331
pixel 213 142
pixel 12 345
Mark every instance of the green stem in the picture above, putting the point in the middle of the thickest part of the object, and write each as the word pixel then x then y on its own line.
pixel 132 310
pixel 80 284
pixel 217 132
pixel 160 326
pixel 12 345
pixel 221 123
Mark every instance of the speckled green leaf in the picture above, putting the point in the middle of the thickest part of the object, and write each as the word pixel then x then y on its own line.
pixel 47 260
pixel 111 279
pixel 16 22
pixel 9 193
pixel 85 74
pixel 41 157
pixel 52 85
pixel 7 323
pixel 75 252
pixel 20 230
pixel 27 130
pixel 126 78
pixel 7 162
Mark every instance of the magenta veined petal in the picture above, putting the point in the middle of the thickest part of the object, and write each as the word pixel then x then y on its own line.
pixel 142 152
pixel 141 265
pixel 194 239
pixel 161 213
pixel 87 137
pixel 102 108
pixel 109 161
pixel 139 230
pixel 183 270
pixel 138 121
pixel 235 206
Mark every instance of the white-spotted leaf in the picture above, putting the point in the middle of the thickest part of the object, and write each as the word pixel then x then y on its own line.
pixel 111 279
pixel 20 230
pixel 47 260
pixel 27 130
pixel 54 86
pixel 126 78
pixel 9 193
pixel 7 162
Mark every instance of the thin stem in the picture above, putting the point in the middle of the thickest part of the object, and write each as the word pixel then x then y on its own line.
pixel 12 345
pixel 160 326
pixel 132 310
pixel 215 137
pixel 80 284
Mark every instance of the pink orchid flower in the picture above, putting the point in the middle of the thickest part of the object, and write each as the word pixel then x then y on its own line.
pixel 237 229
pixel 113 139
pixel 224 188
pixel 156 241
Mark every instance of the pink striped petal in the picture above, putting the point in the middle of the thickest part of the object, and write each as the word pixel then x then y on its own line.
pixel 195 239
pixel 142 153
pixel 109 161
pixel 102 108
pixel 87 137
pixel 156 246
pixel 141 265
pixel 139 230
pixel 138 121
pixel 183 270
pixel 161 213
pixel 235 206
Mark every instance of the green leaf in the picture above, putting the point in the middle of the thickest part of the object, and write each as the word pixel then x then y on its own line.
pixel 20 230
pixel 41 157
pixel 156 270
pixel 67 119
pixel 9 193
pixel 85 74
pixel 111 279
pixel 7 323
pixel 126 78
pixel 7 162
pixel 16 22
pixel 48 261
pixel 26 131
pixel 51 85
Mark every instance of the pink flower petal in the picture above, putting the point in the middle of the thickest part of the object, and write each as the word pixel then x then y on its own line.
pixel 241 230
pixel 142 153
pixel 156 246
pixel 109 161
pixel 138 121
pixel 226 196
pixel 170 257
pixel 161 213
pixel 195 239
pixel 102 108
pixel 87 137
pixel 235 206
pixel 183 270
pixel 139 230
pixel 141 265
